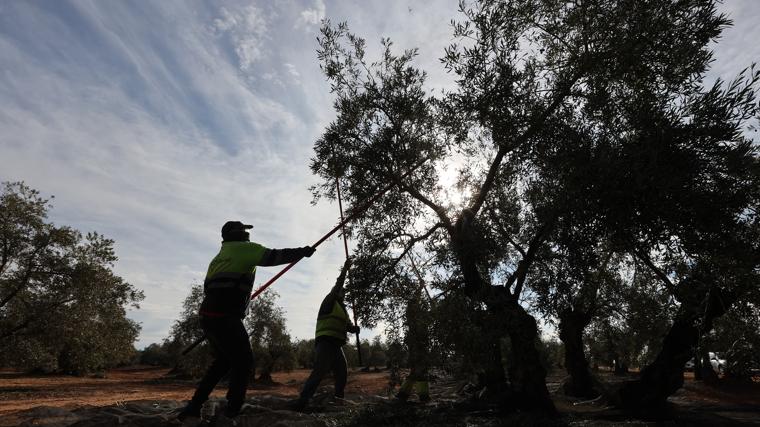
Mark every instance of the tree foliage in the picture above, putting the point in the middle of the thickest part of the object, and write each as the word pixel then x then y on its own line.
pixel 185 331
pixel 273 349
pixel 62 308
pixel 586 146
pixel 270 340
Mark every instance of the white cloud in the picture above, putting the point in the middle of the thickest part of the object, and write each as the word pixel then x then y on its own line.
pixel 248 30
pixel 293 72
pixel 311 16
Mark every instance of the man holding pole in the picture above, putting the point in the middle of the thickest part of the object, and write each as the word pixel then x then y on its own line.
pixel 333 326
pixel 227 290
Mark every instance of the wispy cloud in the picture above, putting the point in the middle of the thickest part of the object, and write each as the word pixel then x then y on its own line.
pixel 247 30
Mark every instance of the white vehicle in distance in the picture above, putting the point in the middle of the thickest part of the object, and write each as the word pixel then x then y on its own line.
pixel 718 364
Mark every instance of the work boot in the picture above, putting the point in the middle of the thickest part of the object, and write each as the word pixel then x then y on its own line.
pixel 402 396
pixel 297 404
pixel 190 416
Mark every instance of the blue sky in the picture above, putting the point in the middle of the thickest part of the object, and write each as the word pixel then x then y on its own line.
pixel 154 122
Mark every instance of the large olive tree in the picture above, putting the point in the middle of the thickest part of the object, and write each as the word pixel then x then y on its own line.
pixel 568 117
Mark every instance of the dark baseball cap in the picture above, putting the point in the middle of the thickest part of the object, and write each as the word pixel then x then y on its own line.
pixel 232 226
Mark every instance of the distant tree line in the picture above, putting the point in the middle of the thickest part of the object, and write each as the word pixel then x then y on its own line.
pixel 62 308
pixel 273 348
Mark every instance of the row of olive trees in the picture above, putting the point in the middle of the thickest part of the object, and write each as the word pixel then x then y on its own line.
pixel 270 341
pixel 62 308
pixel 595 166
pixel 273 348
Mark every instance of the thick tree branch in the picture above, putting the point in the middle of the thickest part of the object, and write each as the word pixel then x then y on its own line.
pixel 438 209
pixel 659 273
pixel 5 256
pixel 522 267
pixel 27 274
pixel 562 92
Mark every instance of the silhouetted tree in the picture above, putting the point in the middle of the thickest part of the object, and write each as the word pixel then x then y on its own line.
pixel 62 308
pixel 185 331
pixel 270 340
pixel 568 119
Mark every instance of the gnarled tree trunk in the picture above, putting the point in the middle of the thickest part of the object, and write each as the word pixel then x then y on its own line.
pixel 580 382
pixel 527 377
pixel 526 374
pixel 648 395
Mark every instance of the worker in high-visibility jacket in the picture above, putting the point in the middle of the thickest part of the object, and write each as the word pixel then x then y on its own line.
pixel 227 290
pixel 333 326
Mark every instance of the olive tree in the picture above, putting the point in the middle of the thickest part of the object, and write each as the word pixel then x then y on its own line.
pixel 564 114
pixel 62 308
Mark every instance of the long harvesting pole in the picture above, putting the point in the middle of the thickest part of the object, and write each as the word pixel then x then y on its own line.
pixel 351 217
pixel 345 247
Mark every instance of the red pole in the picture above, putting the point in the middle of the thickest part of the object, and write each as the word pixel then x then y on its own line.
pixel 353 215
pixel 345 246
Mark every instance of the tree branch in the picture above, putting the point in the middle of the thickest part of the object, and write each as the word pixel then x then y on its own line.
pixel 504 232
pixel 410 244
pixel 535 125
pixel 28 321
pixel 439 210
pixel 27 274
pixel 6 256
pixel 420 278
pixel 659 273
pixel 522 268
pixel 589 291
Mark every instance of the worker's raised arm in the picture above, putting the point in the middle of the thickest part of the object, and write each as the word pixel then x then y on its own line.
pixel 284 256
pixel 341 277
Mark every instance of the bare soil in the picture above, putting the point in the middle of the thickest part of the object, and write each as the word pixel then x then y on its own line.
pixel 369 400
pixel 20 391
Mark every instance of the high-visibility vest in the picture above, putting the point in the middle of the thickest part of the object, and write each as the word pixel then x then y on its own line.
pixel 234 265
pixel 229 279
pixel 334 324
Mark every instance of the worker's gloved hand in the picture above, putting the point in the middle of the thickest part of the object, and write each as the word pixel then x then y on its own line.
pixel 349 261
pixel 307 251
pixel 354 329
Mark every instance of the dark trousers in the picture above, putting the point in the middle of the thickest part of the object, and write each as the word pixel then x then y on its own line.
pixel 232 353
pixel 328 357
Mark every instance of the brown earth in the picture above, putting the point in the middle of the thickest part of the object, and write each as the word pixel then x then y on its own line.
pixel 32 400
pixel 21 391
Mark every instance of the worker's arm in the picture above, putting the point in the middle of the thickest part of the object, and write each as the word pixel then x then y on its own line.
pixel 327 305
pixel 341 277
pixel 330 299
pixel 284 256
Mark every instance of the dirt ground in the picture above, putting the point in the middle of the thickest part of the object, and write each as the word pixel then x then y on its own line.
pixel 696 403
pixel 19 391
